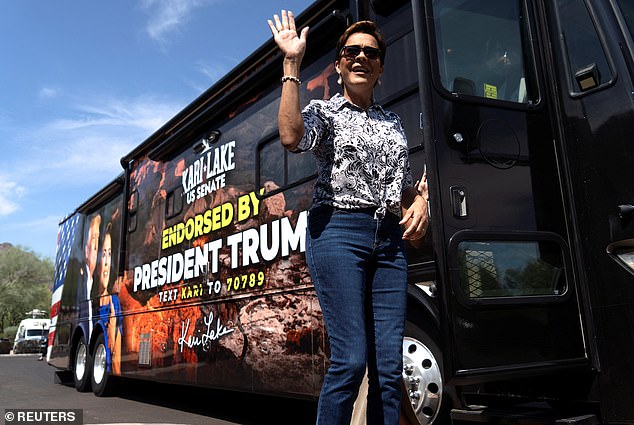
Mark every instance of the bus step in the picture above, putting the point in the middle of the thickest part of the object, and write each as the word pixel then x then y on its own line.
pixel 519 415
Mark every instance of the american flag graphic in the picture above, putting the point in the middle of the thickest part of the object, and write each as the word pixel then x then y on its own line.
pixel 65 238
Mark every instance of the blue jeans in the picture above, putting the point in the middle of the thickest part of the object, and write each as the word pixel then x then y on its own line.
pixel 358 266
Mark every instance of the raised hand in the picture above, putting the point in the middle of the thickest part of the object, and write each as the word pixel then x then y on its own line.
pixel 285 34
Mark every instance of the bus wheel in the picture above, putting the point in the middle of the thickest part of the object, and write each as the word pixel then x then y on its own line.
pixel 81 366
pixel 425 403
pixel 102 381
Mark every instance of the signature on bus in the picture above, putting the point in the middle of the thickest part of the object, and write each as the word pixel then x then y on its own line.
pixel 213 333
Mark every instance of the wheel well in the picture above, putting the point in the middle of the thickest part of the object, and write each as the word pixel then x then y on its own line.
pixel 422 311
pixel 77 335
pixel 97 330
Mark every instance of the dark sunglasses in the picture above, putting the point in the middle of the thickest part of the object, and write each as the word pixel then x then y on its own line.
pixel 351 52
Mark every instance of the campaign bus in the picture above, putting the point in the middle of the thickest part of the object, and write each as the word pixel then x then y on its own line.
pixel 189 267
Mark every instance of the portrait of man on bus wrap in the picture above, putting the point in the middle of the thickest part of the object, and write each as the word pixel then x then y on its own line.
pixel 87 269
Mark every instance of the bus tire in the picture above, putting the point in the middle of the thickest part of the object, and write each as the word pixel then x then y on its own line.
pixel 425 401
pixel 81 366
pixel 101 379
pixel 422 377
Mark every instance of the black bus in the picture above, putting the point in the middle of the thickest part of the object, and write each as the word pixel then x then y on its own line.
pixel 521 299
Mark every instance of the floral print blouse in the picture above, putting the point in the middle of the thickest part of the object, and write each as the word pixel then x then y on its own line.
pixel 361 155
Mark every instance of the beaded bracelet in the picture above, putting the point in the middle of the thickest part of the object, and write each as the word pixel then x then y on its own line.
pixel 291 78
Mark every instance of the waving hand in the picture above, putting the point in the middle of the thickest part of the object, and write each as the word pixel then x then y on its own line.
pixel 292 44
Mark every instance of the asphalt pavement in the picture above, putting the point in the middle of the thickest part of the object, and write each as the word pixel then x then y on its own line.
pixel 26 383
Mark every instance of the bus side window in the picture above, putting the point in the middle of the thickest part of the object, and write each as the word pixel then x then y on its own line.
pixel 300 166
pixel 271 162
pixel 398 91
pixel 627 10
pixel 483 54
pixel 588 64
pixel 278 169
pixel 493 271
pixel 133 206
pixel 174 202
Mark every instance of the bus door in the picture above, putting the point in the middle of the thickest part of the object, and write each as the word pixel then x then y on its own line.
pixel 594 49
pixel 509 294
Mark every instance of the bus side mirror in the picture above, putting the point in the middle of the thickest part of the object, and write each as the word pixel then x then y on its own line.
pixel 588 77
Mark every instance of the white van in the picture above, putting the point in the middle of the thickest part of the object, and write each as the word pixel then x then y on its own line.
pixel 30 332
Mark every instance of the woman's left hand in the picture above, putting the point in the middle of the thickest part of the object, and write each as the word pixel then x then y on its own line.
pixel 416 218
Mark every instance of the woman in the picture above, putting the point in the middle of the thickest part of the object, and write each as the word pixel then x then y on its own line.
pixel 355 249
pixel 109 306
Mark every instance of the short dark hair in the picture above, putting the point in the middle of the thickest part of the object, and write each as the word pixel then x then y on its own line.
pixel 365 27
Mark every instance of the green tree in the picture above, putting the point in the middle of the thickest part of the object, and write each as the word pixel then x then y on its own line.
pixel 536 278
pixel 25 284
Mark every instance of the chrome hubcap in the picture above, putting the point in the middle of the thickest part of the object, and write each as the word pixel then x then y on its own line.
pixel 99 368
pixel 80 362
pixel 421 373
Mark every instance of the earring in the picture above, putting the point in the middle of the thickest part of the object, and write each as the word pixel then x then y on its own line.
pixel 339 80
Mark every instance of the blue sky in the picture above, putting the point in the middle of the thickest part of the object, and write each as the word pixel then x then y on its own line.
pixel 82 82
